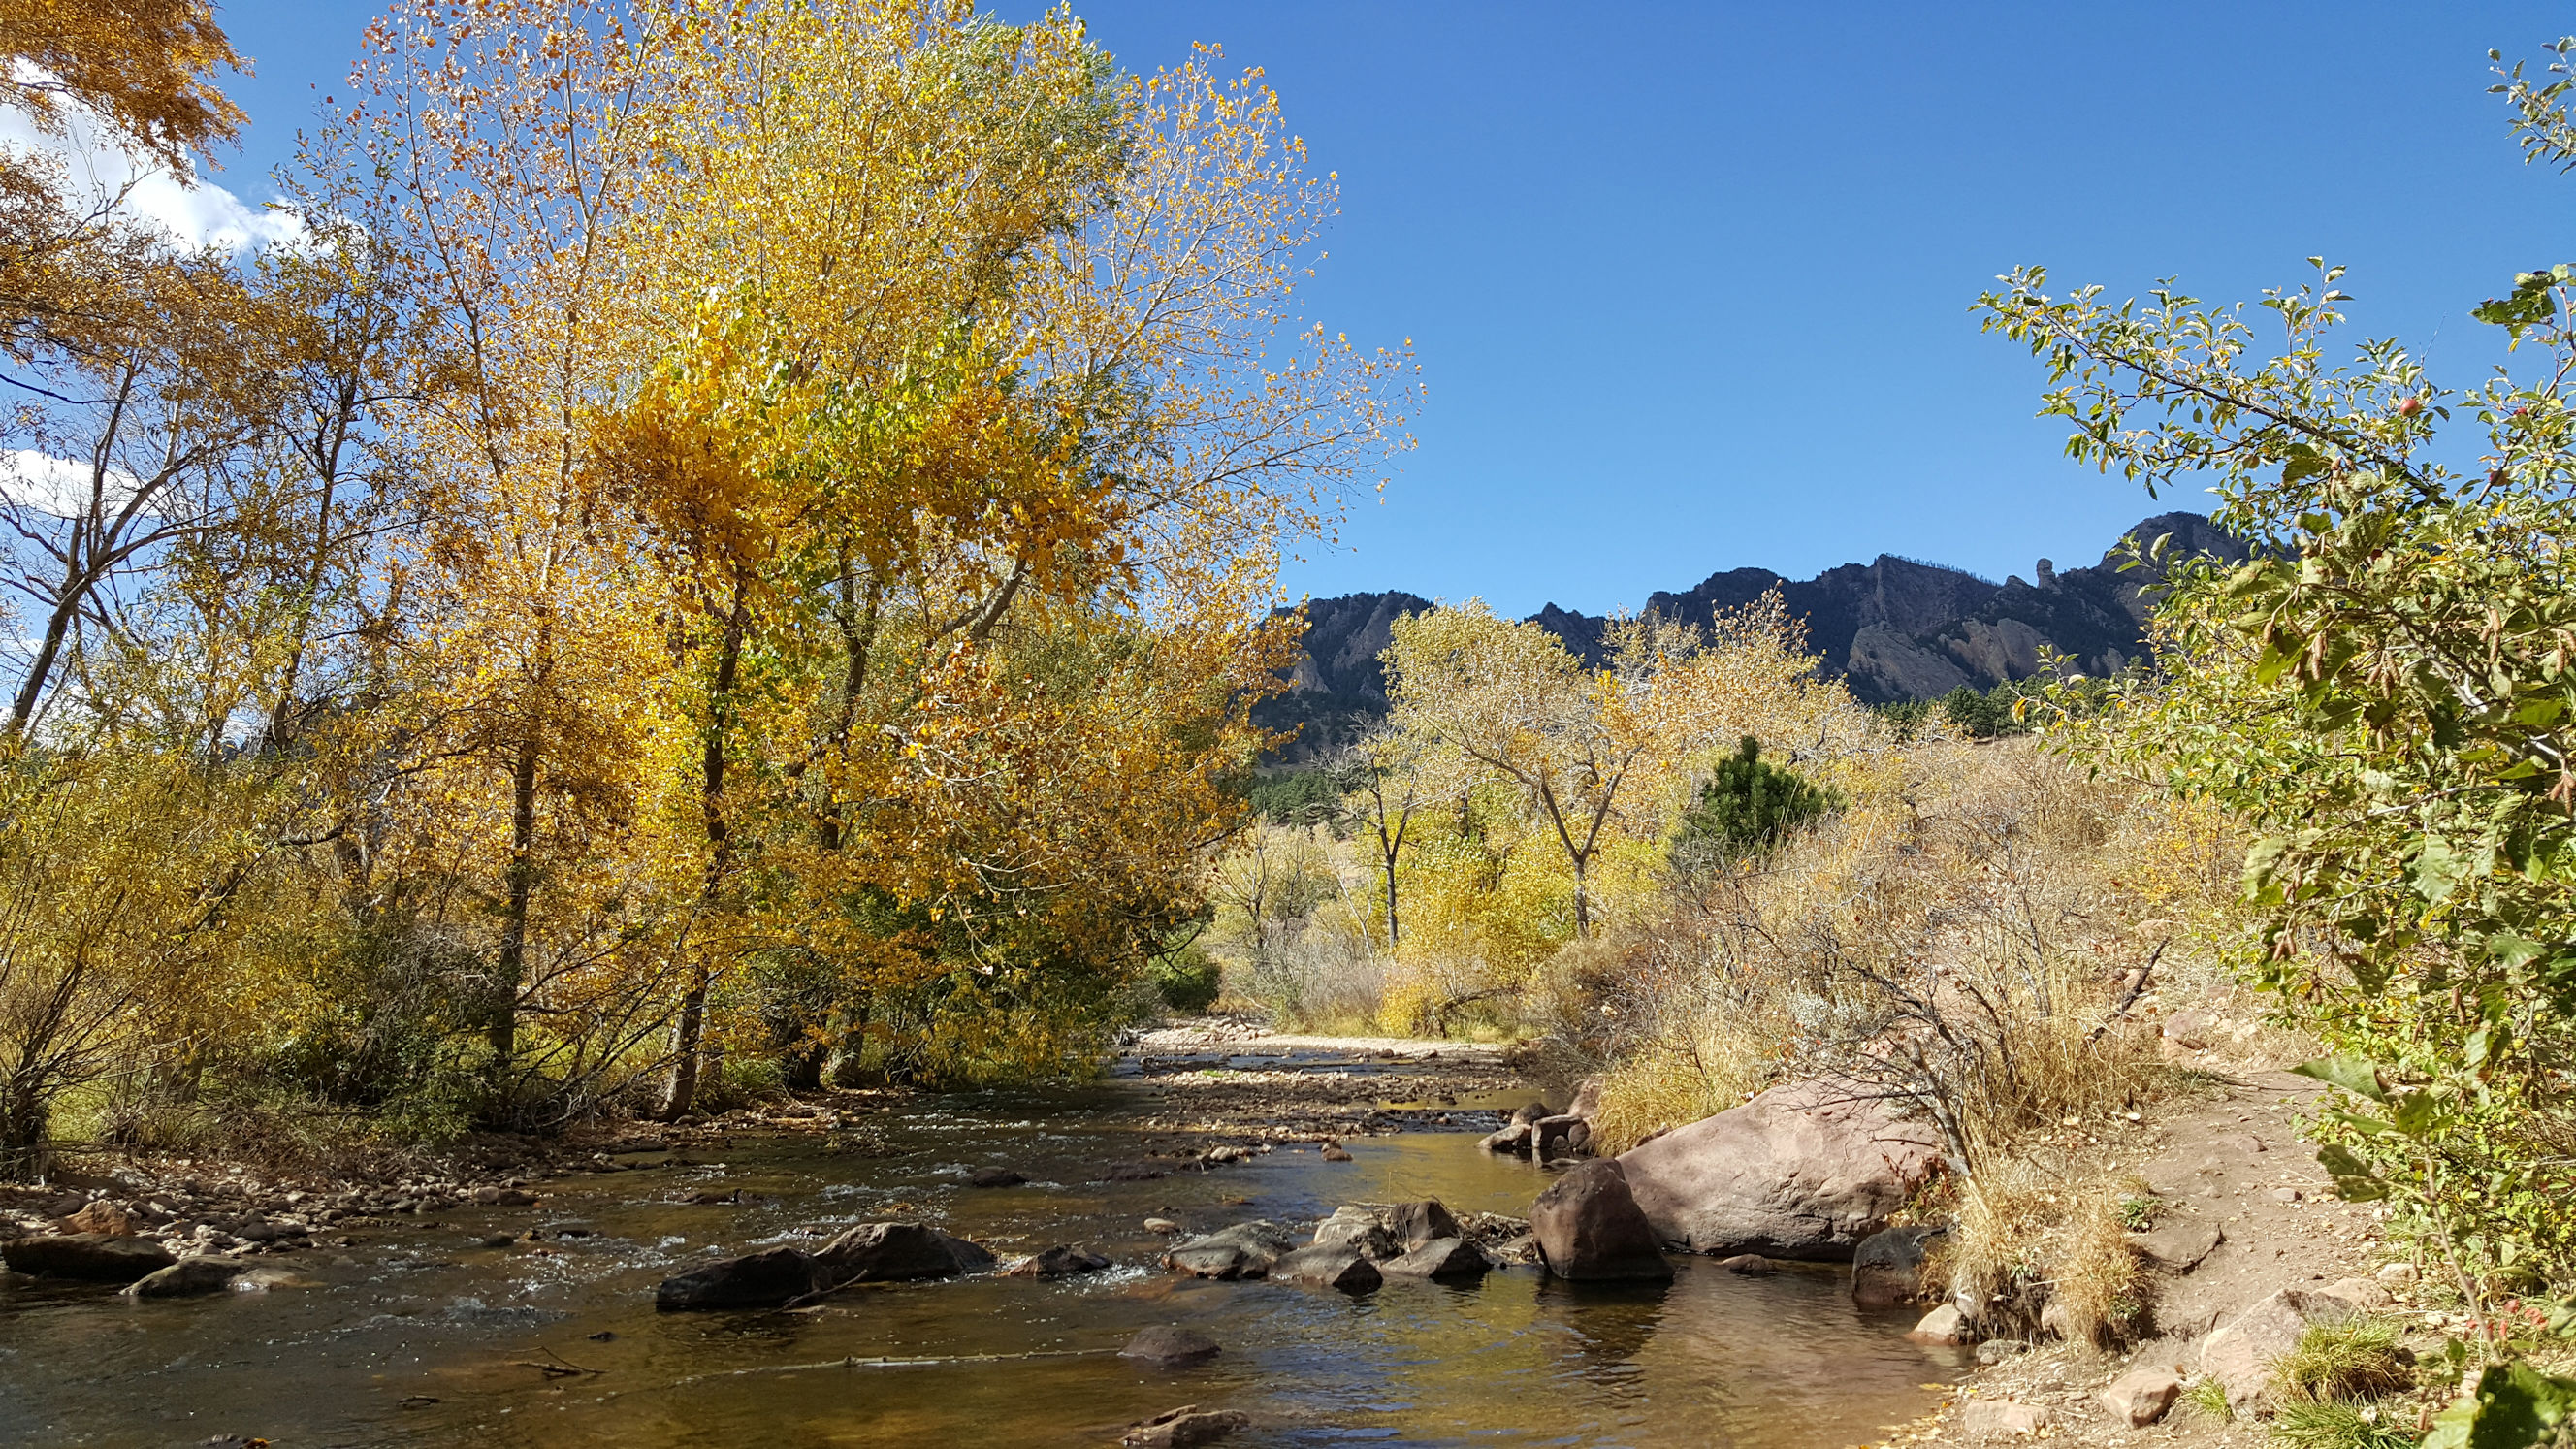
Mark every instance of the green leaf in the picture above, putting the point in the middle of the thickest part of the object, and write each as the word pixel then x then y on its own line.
pixel 2514 952
pixel 2417 1113
pixel 2354 1075
pixel 2341 1162
pixel 2514 1406
pixel 2439 869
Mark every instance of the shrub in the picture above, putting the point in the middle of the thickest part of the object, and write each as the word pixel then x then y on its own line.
pixel 1187 980
pixel 2335 1426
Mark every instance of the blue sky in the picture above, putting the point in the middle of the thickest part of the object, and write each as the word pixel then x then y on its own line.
pixel 1690 282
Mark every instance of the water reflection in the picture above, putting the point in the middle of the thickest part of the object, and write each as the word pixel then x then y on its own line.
pixel 422 1338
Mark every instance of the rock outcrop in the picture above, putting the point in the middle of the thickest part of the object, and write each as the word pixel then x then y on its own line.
pixel 1805 1170
pixel 2239 1354
pixel 1588 1226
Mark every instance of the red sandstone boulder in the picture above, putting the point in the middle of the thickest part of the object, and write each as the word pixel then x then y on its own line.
pixel 1588 1227
pixel 1802 1171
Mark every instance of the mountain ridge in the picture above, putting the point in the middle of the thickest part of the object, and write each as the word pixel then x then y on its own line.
pixel 1893 628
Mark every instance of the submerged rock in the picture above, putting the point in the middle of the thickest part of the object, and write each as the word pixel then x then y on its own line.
pixel 1166 1347
pixel 1183 1428
pixel 188 1278
pixel 1058 1263
pixel 1805 1170
pixel 1589 1227
pixel 994 1177
pixel 1887 1268
pixel 1751 1265
pixel 91 1257
pixel 1330 1265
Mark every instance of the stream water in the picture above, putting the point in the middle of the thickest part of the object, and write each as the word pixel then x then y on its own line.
pixel 417 1335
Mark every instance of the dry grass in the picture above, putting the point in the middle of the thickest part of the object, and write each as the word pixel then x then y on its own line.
pixel 2033 1247
pixel 1964 935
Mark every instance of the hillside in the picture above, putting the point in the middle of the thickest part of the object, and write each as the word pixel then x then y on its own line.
pixel 1894 628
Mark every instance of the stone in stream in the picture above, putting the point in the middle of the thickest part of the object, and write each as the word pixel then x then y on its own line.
pixel 1417 1223
pixel 1589 1227
pixel 188 1278
pixel 768 1279
pixel 1162 1225
pixel 1245 1250
pixel 1058 1263
pixel 1330 1265
pixel 1514 1139
pixel 1751 1265
pixel 1524 1116
pixel 1559 1136
pixel 895 1253
pixel 93 1257
pixel 1166 1347
pixel 1441 1258
pixel 1333 1153
pixel 1184 1428
pixel 1945 1326
pixel 1361 1229
pixel 1804 1170
pixel 1887 1268
pixel 994 1177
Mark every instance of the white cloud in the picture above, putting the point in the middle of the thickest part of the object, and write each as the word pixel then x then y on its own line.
pixel 201 215
pixel 56 486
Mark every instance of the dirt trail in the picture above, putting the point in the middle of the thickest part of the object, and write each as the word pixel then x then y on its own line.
pixel 2232 1159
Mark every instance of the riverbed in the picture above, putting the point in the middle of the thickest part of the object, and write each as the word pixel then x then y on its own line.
pixel 427 1333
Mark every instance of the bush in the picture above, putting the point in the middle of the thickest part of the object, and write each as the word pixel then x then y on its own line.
pixel 1983 714
pixel 1187 980
pixel 2336 1426
pixel 2335 1363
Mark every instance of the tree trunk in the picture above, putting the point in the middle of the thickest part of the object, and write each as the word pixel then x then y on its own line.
pixel 25 1117
pixel 693 1007
pixel 510 971
pixel 1582 898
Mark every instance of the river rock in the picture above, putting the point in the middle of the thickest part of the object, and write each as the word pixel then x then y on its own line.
pixel 769 1279
pixel 1183 1428
pixel 994 1177
pixel 1887 1267
pixel 895 1253
pixel 1166 1347
pixel 1330 1265
pixel 1441 1258
pixel 1801 1171
pixel 1559 1136
pixel 1944 1325
pixel 2240 1353
pixel 2141 1396
pixel 93 1257
pixel 2178 1247
pixel 1362 1229
pixel 103 1218
pixel 1514 1139
pixel 1058 1263
pixel 1589 1227
pixel 1524 1116
pixel 1417 1223
pixel 188 1278
pixel 1751 1265
pixel 1245 1250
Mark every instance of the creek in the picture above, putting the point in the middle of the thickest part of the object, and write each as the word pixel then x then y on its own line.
pixel 419 1334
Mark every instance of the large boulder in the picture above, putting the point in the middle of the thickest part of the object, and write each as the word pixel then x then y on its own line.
pixel 2241 1352
pixel 1588 1226
pixel 1245 1250
pixel 768 1279
pixel 1805 1170
pixel 1887 1268
pixel 895 1253
pixel 92 1257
